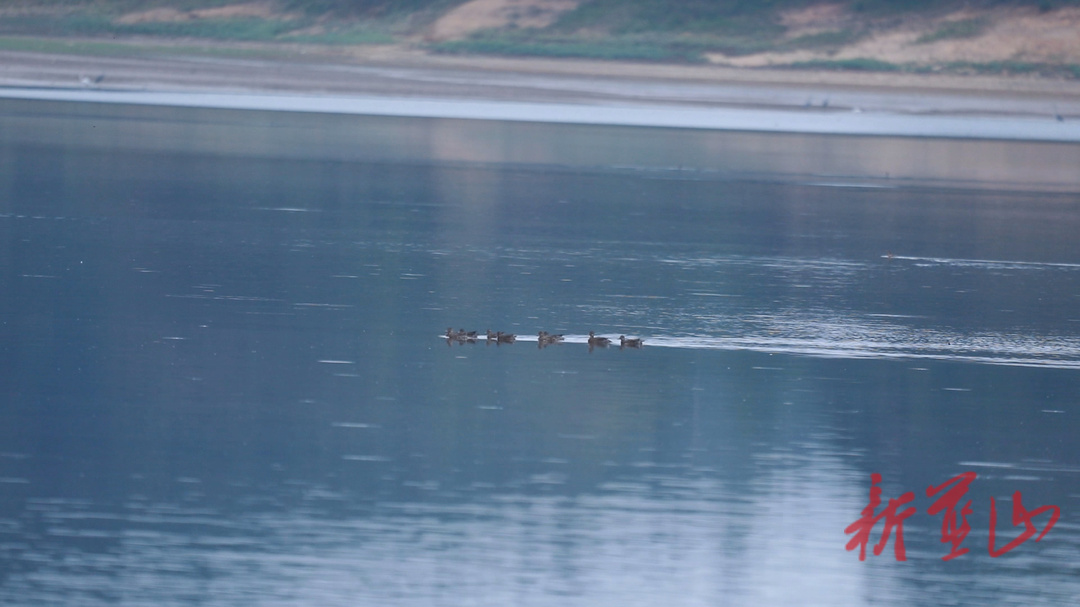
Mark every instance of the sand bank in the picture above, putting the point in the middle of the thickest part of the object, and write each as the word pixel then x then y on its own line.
pixel 810 121
pixel 572 92
pixel 815 128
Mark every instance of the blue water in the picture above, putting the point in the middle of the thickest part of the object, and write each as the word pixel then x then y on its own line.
pixel 223 382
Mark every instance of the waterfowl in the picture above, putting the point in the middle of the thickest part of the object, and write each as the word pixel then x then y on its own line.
pixel 460 337
pixel 543 338
pixel 500 338
pixel 598 341
pixel 630 343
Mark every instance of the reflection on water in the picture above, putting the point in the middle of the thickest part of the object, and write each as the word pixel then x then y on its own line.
pixel 226 381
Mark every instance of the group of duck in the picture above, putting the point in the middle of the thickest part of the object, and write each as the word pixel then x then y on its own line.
pixel 543 339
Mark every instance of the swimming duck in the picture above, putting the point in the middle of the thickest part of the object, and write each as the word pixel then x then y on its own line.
pixel 460 337
pixel 603 342
pixel 543 338
pixel 630 343
pixel 500 338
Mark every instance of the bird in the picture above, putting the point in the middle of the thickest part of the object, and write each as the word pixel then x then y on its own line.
pixel 460 336
pixel 603 342
pixel 87 80
pixel 630 343
pixel 500 338
pixel 543 338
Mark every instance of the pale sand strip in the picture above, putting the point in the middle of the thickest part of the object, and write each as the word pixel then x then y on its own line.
pixel 810 121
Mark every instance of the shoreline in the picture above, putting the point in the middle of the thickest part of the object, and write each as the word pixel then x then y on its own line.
pixel 824 133
pixel 392 82
pixel 754 120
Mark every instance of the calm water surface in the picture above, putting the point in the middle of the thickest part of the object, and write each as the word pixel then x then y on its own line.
pixel 222 384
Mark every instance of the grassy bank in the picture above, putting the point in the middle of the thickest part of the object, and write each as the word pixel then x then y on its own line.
pixel 1066 71
pixel 221 20
pixel 806 34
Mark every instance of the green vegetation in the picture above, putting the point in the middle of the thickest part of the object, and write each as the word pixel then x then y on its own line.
pixel 966 28
pixel 118 49
pixel 652 30
pixel 497 43
pixel 852 65
pixel 327 22
pixel 683 16
pixel 687 30
pixel 91 25
pixel 1051 70
pixel 679 29
pixel 832 39
pixel 684 31
pixel 343 36
pixel 214 29
pixel 367 8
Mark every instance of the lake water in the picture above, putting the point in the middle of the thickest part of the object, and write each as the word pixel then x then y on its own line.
pixel 222 379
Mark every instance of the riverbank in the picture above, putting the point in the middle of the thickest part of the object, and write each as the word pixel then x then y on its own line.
pixel 975 131
pixel 395 72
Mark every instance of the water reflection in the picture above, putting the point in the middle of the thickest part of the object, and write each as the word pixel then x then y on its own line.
pixel 227 381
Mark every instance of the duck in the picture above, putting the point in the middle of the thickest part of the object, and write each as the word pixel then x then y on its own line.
pixel 630 343
pixel 543 338
pixel 460 337
pixel 603 342
pixel 499 337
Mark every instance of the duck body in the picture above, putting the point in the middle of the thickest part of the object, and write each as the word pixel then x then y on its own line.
pixel 602 342
pixel 500 338
pixel 630 343
pixel 460 336
pixel 543 338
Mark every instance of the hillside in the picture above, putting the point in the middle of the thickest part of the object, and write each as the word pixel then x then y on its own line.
pixel 1032 37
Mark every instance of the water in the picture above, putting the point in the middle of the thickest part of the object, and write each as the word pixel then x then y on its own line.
pixel 222 381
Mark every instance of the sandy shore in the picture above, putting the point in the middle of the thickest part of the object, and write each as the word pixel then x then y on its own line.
pixel 399 73
pixel 950 132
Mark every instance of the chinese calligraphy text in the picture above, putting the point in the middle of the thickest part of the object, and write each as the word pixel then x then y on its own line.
pixel 954 526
